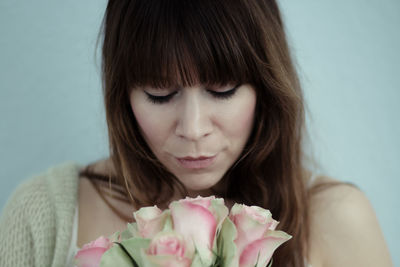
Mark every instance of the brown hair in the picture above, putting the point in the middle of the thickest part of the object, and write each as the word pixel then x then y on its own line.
pixel 163 43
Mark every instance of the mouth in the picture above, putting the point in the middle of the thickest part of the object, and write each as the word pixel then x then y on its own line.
pixel 196 163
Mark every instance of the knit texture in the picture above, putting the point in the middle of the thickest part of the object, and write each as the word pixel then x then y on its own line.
pixel 36 223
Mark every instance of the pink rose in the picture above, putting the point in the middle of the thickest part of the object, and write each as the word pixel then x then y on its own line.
pixel 90 254
pixel 168 249
pixel 198 220
pixel 150 221
pixel 256 235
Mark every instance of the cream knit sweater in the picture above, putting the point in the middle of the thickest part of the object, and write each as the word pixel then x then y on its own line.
pixel 36 223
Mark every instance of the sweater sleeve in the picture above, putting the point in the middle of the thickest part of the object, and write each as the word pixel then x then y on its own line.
pixel 25 226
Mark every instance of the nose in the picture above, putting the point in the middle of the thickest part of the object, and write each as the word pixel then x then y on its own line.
pixel 194 120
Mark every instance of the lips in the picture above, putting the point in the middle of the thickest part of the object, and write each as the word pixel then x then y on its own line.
pixel 197 162
pixel 197 158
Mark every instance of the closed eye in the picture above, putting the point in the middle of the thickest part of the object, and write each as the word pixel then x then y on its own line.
pixel 224 95
pixel 164 99
pixel 159 99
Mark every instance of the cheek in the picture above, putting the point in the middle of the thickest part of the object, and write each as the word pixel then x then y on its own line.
pixel 151 126
pixel 237 121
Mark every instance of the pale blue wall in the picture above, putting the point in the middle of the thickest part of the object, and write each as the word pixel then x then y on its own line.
pixel 51 106
pixel 349 58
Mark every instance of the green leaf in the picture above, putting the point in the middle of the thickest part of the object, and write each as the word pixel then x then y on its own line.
pixel 133 246
pixel 127 253
pixel 116 256
pixel 226 245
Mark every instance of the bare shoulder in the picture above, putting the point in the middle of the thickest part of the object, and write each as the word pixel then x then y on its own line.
pixel 344 228
pixel 92 207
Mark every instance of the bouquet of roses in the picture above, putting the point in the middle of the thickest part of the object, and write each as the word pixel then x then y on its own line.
pixel 193 232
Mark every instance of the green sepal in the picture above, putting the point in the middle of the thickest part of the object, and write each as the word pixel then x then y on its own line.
pixel 126 234
pixel 196 261
pixel 226 245
pixel 115 236
pixel 168 224
pixel 133 229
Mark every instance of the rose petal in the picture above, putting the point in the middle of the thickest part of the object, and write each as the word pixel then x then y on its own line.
pixel 150 221
pixel 167 243
pixel 102 241
pixel 89 257
pixel 196 223
pixel 166 261
pixel 262 249
pixel 202 201
pixel 251 222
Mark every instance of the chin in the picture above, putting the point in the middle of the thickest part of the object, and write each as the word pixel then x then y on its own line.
pixel 199 189
pixel 200 184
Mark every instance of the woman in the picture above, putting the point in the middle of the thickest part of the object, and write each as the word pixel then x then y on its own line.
pixel 202 99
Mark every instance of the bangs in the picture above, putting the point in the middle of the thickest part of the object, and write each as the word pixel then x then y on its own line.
pixel 168 43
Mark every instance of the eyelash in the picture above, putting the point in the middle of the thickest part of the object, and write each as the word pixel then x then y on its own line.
pixel 159 99
pixel 164 99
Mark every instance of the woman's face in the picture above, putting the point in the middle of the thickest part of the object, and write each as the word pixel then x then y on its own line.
pixel 196 132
